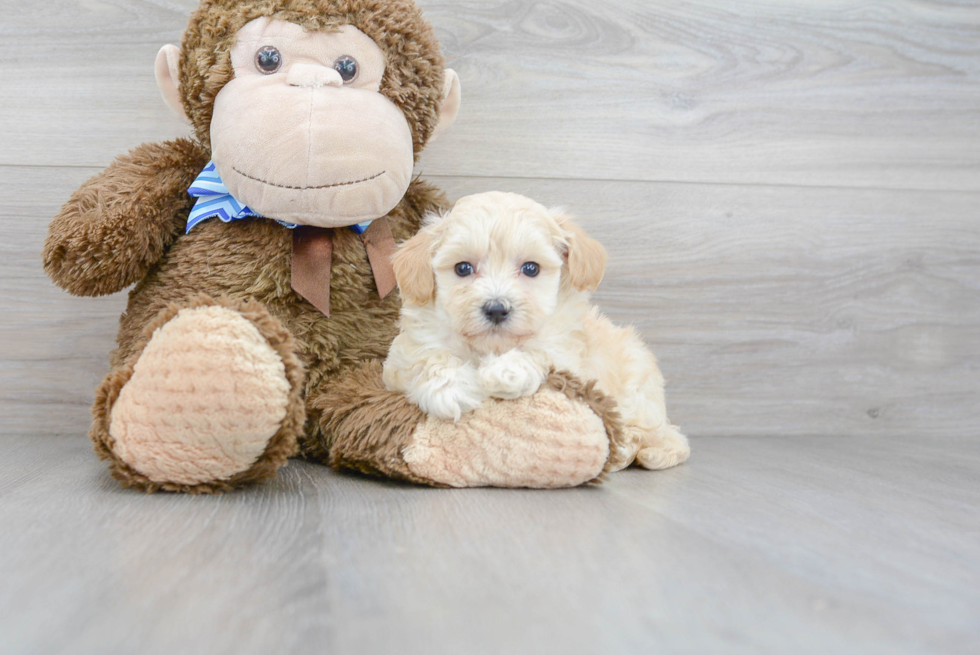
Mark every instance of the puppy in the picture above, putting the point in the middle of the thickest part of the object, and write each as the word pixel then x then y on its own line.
pixel 495 295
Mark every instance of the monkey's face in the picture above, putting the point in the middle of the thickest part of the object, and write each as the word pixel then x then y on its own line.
pixel 302 134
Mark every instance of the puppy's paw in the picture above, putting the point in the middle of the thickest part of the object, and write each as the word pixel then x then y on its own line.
pixel 511 375
pixel 666 451
pixel 449 393
pixel 450 403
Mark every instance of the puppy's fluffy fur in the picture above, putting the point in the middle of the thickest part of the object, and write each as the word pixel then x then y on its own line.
pixel 451 355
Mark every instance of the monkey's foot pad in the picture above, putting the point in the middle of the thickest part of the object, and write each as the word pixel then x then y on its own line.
pixel 544 441
pixel 207 395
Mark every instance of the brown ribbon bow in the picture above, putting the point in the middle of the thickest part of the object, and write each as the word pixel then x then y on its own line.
pixel 313 251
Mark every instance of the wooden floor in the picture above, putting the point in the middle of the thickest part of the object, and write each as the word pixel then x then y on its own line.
pixel 790 194
pixel 759 545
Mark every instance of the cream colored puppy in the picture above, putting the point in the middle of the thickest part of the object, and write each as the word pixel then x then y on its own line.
pixel 495 294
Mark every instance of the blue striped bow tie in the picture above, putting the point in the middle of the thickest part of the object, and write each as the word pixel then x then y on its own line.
pixel 214 201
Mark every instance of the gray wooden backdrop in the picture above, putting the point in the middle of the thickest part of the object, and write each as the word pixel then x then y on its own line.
pixel 789 190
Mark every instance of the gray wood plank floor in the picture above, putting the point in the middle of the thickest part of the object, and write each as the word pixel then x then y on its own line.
pixel 760 545
pixel 790 193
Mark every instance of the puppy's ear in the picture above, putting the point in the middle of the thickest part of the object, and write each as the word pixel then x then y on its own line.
pixel 413 268
pixel 586 256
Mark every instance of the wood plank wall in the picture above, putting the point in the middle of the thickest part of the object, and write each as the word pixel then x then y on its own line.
pixel 789 190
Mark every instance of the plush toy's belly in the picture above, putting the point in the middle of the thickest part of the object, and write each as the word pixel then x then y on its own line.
pixel 251 259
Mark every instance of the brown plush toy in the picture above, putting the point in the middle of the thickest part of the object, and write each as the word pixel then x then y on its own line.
pixel 264 304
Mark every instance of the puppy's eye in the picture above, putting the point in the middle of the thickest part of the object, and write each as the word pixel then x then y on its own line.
pixel 464 269
pixel 530 269
pixel 268 60
pixel 347 67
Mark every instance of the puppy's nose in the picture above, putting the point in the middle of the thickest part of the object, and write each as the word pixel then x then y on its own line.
pixel 496 312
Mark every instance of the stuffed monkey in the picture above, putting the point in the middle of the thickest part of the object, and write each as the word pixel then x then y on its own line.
pixel 260 249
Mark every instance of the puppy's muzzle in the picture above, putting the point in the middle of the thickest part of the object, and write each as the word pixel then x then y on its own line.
pixel 496 312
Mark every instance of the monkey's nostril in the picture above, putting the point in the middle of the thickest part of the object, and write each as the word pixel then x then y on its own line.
pixel 313 76
pixel 496 312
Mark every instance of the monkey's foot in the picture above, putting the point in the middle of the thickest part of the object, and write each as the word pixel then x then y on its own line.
pixel 212 401
pixel 566 434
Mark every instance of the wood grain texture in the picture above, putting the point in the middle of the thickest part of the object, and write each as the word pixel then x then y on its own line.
pixel 831 545
pixel 789 192
pixel 843 93
pixel 774 311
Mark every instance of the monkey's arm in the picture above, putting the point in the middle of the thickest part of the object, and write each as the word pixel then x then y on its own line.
pixel 564 435
pixel 118 224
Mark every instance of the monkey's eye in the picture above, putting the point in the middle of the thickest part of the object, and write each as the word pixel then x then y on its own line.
pixel 347 67
pixel 268 60
pixel 530 269
pixel 464 269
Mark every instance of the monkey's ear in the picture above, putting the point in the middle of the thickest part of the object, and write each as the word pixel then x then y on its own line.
pixel 452 96
pixel 413 268
pixel 167 72
pixel 586 256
